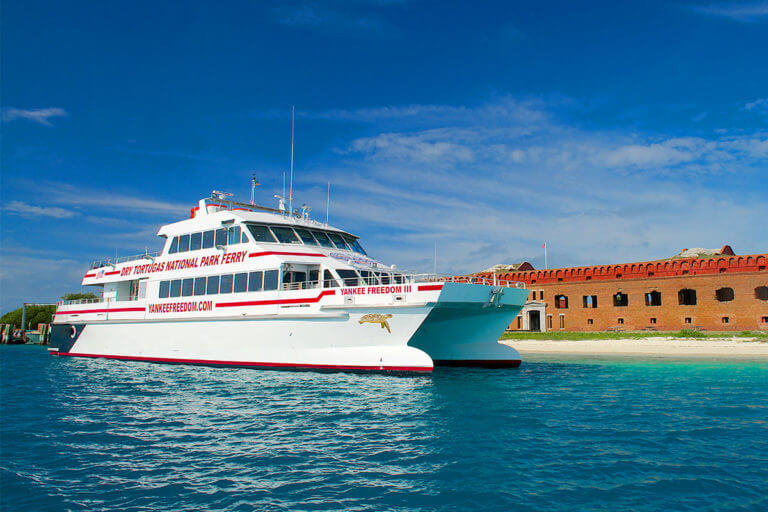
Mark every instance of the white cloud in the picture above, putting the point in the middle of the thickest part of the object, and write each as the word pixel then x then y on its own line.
pixel 738 11
pixel 39 115
pixel 759 105
pixel 28 210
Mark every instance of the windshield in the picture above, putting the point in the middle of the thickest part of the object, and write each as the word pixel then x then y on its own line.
pixel 261 233
pixel 323 239
pixel 355 245
pixel 306 236
pixel 338 241
pixel 285 235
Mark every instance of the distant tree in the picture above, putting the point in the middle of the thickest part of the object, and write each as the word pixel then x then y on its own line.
pixel 35 315
pixel 79 296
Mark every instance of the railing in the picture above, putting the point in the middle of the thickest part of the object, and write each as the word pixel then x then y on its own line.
pixel 301 285
pixel 125 298
pixel 111 262
pixel 487 281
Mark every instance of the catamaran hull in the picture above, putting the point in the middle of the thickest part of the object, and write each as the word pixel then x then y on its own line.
pixel 461 327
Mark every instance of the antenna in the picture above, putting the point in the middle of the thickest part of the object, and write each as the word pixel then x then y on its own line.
pixel 327 203
pixel 283 184
pixel 290 189
pixel 435 269
pixel 254 184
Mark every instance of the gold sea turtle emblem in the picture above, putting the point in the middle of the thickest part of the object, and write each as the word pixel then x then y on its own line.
pixel 376 318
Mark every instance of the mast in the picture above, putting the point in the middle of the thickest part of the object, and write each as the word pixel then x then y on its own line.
pixel 327 203
pixel 290 189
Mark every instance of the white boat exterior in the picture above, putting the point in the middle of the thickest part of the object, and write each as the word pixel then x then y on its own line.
pixel 241 285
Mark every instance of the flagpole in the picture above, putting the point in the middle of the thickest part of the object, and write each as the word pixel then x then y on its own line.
pixel 546 266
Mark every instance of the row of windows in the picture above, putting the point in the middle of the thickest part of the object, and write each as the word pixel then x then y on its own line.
pixel 685 297
pixel 207 239
pixel 297 235
pixel 218 284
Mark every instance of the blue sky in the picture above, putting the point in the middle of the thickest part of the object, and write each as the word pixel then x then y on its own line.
pixel 614 131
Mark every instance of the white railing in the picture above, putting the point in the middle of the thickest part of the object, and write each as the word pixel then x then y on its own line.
pixel 301 285
pixel 125 298
pixel 111 262
pixel 487 281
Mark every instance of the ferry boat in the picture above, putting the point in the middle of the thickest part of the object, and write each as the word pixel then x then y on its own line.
pixel 242 285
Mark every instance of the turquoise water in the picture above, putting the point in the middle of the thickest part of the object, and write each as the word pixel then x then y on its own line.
pixel 86 434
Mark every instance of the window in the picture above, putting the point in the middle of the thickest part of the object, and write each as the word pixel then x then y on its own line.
pixel 174 246
pixel 722 270
pixel 653 321
pixel 764 319
pixel 306 236
pixel 199 286
pixel 349 277
pixel 725 319
pixel 562 321
pixel 241 282
pixel 165 289
pixel 270 280
pixel 225 283
pixel 233 235
pixel 650 274
pixel 221 237
pixel 183 243
pixel 355 245
pixel 212 286
pixel 653 298
pixel 261 233
pixel 590 321
pixel 620 321
pixel 255 281
pixel 328 280
pixel 686 297
pixel 618 276
pixel 285 235
pixel 323 239
pixel 519 321
pixel 549 321
pixel 621 300
pixel 208 239
pixel 561 302
pixel 243 238
pixel 175 288
pixel 589 278
pixel 724 294
pixel 590 301
pixel 687 320
pixel 541 294
pixel 187 287
pixel 195 241
pixel 761 293
pixel 338 241
pixel 368 277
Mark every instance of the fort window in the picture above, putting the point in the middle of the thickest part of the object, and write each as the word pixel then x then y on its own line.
pixel 621 300
pixel 653 298
pixel 590 301
pixel 620 321
pixel 764 320
pixel 761 267
pixel 519 320
pixel 549 321
pixel 724 294
pixel 618 276
pixel 559 279
pixel 723 270
pixel 561 302
pixel 725 319
pixel 650 274
pixel 589 278
pixel 590 321
pixel 562 321
pixel 686 297
pixel 761 293
pixel 653 321
pixel 688 320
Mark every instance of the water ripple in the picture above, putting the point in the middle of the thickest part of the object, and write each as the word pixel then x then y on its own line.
pixel 552 435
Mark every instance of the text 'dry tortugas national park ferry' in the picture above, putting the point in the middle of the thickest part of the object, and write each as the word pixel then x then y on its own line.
pixel 244 285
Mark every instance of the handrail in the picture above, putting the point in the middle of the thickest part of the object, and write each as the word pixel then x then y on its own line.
pixel 111 262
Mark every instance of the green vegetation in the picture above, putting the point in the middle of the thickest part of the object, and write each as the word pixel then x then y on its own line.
pixel 35 315
pixel 39 314
pixel 602 335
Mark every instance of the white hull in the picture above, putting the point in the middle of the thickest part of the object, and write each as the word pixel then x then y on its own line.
pixel 454 324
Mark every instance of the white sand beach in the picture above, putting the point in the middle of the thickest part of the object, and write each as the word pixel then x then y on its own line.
pixel 656 346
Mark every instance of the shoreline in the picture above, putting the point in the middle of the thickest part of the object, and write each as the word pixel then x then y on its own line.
pixel 662 346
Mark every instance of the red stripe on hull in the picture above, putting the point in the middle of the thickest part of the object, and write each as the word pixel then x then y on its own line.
pixel 430 287
pixel 85 311
pixel 250 364
pixel 278 253
pixel 275 301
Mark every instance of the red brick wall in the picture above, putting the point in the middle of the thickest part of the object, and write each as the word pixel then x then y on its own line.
pixel 741 273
